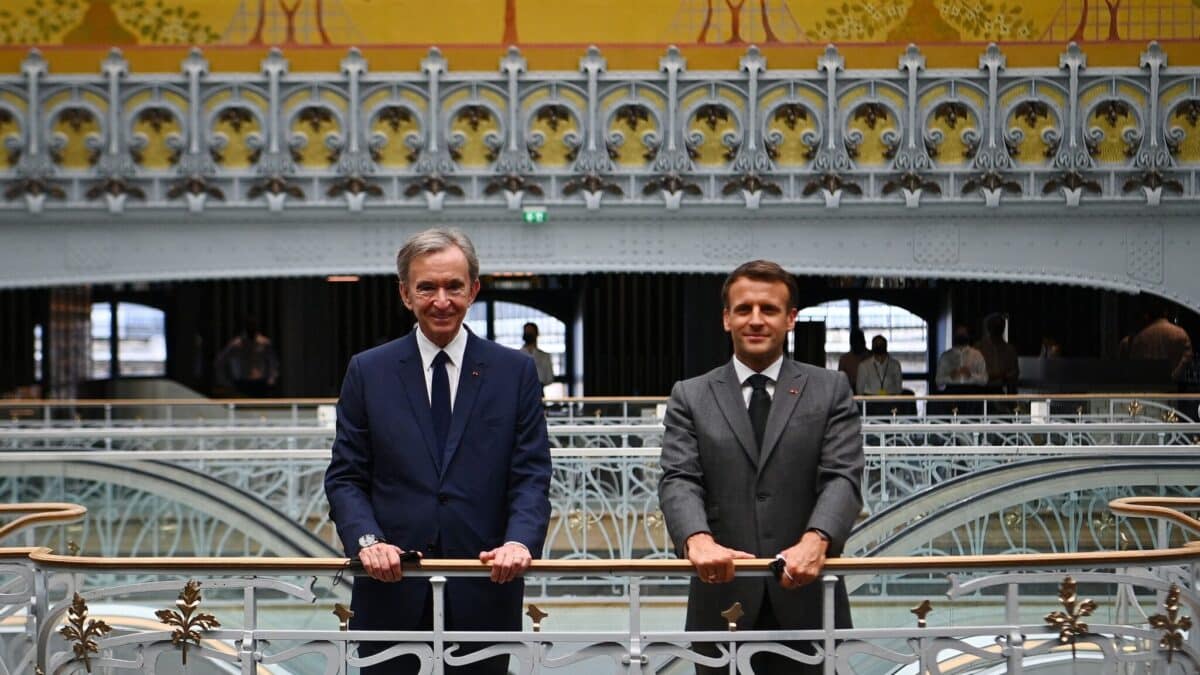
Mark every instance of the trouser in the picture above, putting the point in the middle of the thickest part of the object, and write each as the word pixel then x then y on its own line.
pixel 411 665
pixel 767 663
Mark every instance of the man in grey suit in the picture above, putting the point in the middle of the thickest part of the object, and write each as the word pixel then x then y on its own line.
pixel 761 457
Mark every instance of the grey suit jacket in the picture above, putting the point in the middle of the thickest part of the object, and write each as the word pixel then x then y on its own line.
pixel 806 475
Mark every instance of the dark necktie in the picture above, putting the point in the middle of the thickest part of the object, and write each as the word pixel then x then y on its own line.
pixel 439 404
pixel 760 406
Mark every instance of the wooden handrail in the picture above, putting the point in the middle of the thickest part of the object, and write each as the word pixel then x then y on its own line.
pixel 841 566
pixel 38 514
pixel 1150 507
pixel 284 402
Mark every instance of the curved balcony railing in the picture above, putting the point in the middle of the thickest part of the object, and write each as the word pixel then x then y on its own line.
pixel 320 412
pixel 605 502
pixel 1089 612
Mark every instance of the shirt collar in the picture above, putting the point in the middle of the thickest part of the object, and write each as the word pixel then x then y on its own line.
pixel 454 349
pixel 744 371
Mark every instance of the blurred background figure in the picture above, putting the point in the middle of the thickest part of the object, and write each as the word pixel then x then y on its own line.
pixel 879 374
pixel 962 365
pixel 1163 341
pixel 545 367
pixel 850 361
pixel 1003 370
pixel 248 364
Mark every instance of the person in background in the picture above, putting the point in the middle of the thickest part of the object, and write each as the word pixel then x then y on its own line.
pixel 248 363
pixel 1003 369
pixel 541 359
pixel 1163 341
pixel 879 374
pixel 962 364
pixel 850 361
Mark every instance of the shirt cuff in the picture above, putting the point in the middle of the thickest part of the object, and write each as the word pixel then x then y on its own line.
pixel 518 544
pixel 821 533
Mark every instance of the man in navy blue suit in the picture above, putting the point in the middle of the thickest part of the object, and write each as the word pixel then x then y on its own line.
pixel 441 449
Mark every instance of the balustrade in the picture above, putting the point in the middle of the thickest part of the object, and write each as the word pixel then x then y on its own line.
pixel 1087 612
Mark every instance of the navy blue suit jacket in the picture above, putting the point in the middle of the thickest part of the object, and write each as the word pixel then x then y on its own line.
pixel 493 487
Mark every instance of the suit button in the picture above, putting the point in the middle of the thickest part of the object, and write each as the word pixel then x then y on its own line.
pixel 442 498
pixel 762 496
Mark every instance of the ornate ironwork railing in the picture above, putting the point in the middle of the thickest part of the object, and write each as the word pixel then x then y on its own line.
pixel 437 138
pixel 605 501
pixel 1005 612
pixel 319 412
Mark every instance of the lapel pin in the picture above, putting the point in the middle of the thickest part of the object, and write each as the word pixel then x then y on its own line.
pixel 474 373
pixel 793 391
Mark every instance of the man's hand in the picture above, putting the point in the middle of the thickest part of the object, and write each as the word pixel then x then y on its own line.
pixel 382 561
pixel 508 561
pixel 713 562
pixel 803 562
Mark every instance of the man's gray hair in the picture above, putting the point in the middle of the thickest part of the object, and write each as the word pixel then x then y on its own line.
pixel 433 241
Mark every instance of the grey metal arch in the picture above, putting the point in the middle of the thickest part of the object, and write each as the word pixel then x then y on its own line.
pixel 232 506
pixel 943 507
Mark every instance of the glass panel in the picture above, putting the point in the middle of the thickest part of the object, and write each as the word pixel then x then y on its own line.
pixel 477 319
pixel 101 334
pixel 141 340
pixel 906 333
pixel 836 315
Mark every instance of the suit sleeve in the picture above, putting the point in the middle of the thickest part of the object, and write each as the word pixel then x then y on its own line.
pixel 839 474
pixel 529 473
pixel 681 492
pixel 348 478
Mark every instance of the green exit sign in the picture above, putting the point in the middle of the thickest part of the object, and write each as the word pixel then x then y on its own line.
pixel 534 214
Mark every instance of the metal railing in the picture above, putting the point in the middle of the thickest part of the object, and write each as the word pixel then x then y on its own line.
pixel 1126 610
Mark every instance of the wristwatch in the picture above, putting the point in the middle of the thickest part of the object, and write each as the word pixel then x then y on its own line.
pixel 370 539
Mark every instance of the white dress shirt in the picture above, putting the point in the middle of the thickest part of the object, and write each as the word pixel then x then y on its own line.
pixel 744 372
pixel 454 349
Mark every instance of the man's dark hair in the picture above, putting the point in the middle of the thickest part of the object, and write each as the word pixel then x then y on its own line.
pixel 994 324
pixel 858 341
pixel 761 270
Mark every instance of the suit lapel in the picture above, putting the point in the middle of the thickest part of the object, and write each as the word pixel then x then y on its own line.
pixel 412 379
pixel 728 392
pixel 470 378
pixel 788 390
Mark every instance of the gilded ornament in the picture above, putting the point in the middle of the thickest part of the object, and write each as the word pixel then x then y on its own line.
pixel 921 611
pixel 1068 623
pixel 536 615
pixel 187 622
pixel 83 631
pixel 344 614
pixel 1171 623
pixel 732 615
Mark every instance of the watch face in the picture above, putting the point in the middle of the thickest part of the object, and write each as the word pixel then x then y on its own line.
pixel 367 540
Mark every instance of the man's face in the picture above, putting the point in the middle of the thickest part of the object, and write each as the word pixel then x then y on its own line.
pixel 758 319
pixel 439 290
pixel 879 347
